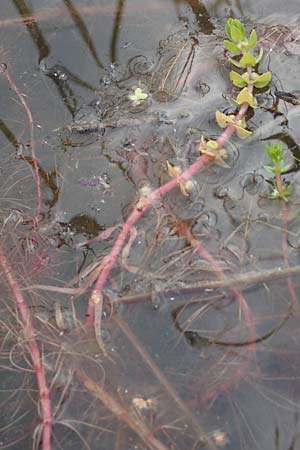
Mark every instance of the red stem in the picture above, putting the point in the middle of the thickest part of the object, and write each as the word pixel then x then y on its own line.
pixel 96 297
pixel 44 392
pixel 241 369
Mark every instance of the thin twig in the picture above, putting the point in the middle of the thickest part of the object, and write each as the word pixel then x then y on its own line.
pixel 120 412
pixel 202 436
pixel 244 279
pixel 20 96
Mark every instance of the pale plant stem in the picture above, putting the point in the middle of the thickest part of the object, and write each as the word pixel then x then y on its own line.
pixel 284 241
pixel 120 412
pixel 285 218
pixel 241 369
pixel 32 143
pixel 244 279
pixel 163 381
pixel 34 351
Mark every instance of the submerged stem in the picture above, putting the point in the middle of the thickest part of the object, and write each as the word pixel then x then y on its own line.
pixel 34 351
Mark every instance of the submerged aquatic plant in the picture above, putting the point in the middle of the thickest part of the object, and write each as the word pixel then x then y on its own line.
pixel 245 59
pixel 281 189
pixel 209 149
pixel 138 97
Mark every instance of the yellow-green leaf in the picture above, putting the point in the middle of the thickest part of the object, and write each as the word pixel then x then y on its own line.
pixel 248 59
pixel 263 80
pixel 138 96
pixel 212 144
pixel 260 55
pixel 247 78
pixel 245 97
pixel 242 132
pixel 242 123
pixel 237 79
pixel 235 30
pixel 232 47
pixel 252 39
pixel 235 63
pixel 223 120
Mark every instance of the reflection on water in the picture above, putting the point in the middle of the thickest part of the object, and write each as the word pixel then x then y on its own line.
pixel 187 366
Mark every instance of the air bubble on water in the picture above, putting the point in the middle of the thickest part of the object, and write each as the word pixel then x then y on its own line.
pixel 106 178
pixel 221 192
pixel 208 219
pixel 3 68
pixel 252 183
pixel 157 296
pixel 201 88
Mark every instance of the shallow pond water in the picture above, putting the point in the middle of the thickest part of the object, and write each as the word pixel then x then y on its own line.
pixel 200 321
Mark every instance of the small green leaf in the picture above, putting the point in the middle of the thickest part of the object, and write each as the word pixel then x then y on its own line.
pixel 242 132
pixel 237 79
pixel 221 119
pixel 236 63
pixel 242 122
pixel 252 39
pixel 269 169
pixel 212 144
pixel 263 80
pixel 248 59
pixel 260 55
pixel 285 168
pixel 275 153
pixel 236 35
pixel 138 97
pixel 274 194
pixel 238 24
pixel 232 47
pixel 245 97
pixel 287 190
pixel 246 77
pixel 235 30
pixel 227 28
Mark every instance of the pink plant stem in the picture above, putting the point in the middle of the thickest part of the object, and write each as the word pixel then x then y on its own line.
pixel 236 292
pixel 32 143
pixel 96 298
pixel 241 369
pixel 44 393
pixel 199 247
